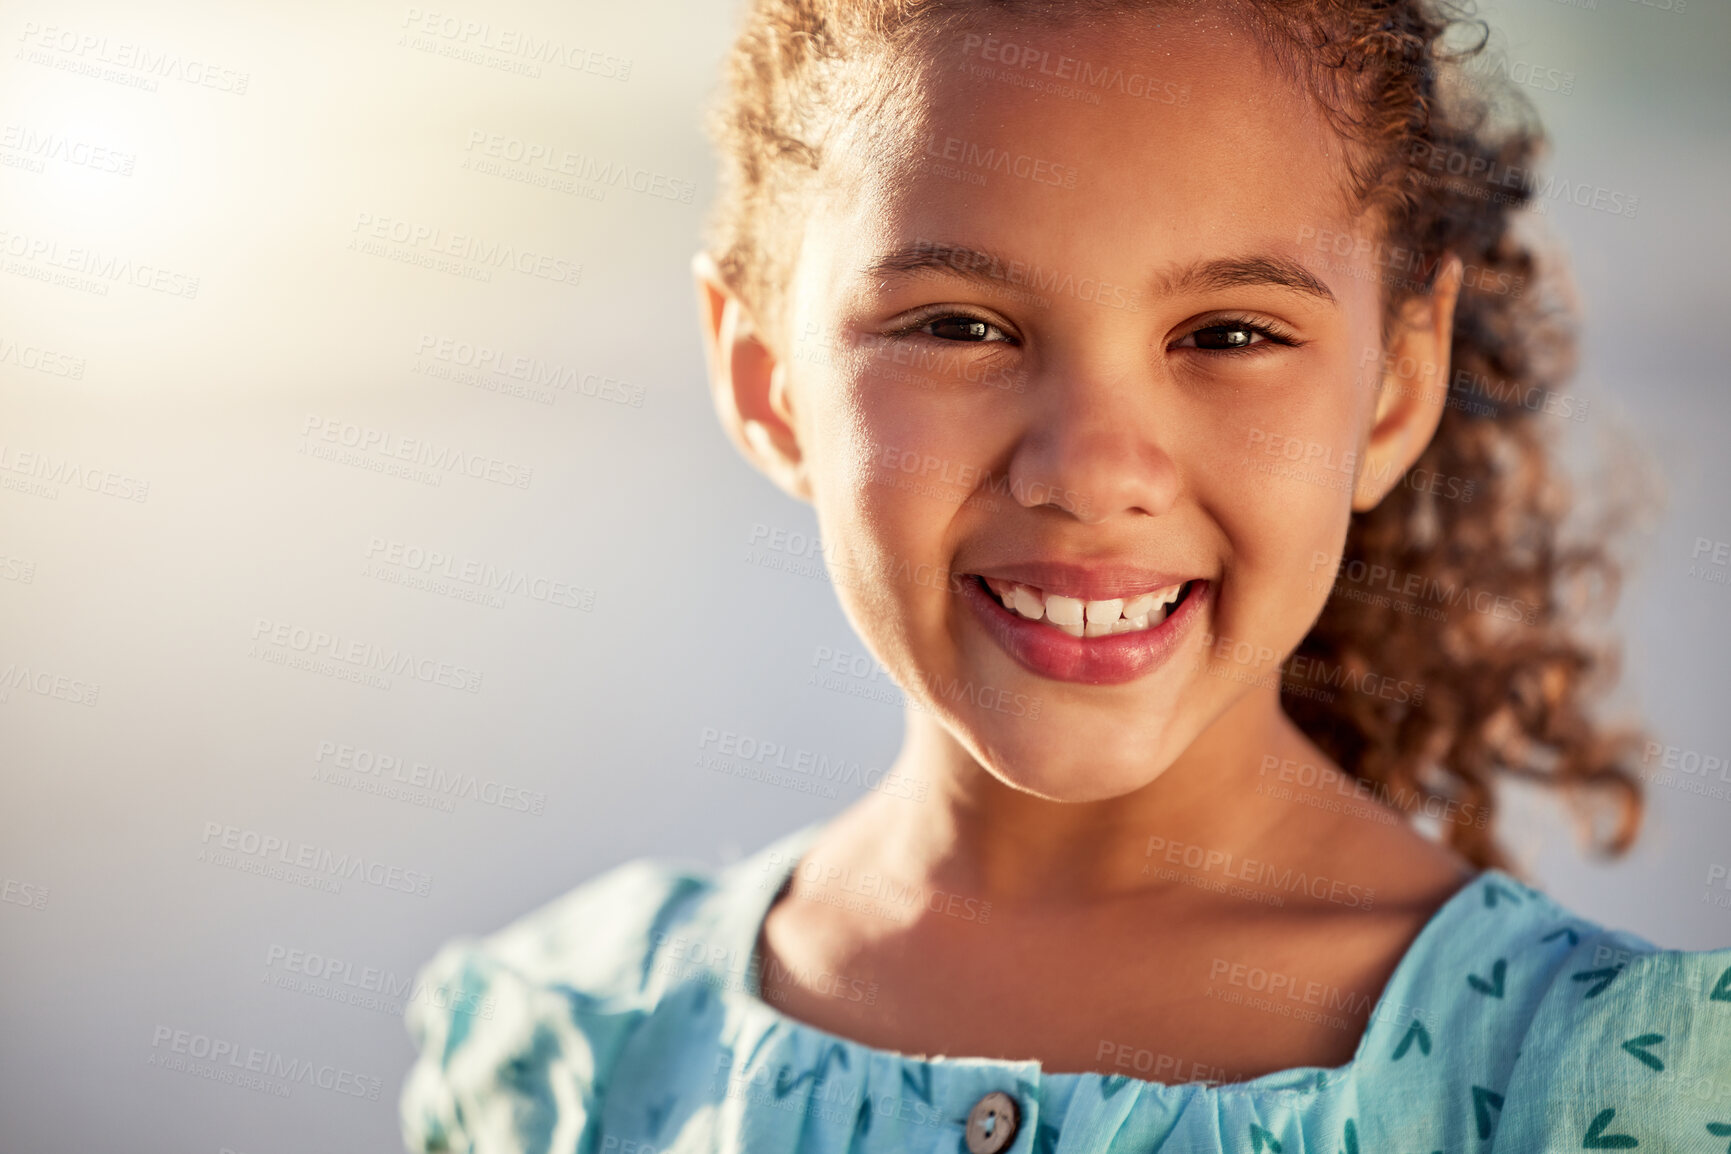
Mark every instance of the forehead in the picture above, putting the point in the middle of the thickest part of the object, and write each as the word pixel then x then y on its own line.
pixel 1115 146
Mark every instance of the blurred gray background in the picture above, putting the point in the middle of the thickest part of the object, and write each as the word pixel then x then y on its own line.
pixel 174 521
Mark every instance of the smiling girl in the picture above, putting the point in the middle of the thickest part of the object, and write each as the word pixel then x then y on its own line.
pixel 1123 351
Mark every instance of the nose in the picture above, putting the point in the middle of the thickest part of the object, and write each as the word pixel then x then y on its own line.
pixel 1092 452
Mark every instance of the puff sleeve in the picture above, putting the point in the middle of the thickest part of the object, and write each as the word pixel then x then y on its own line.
pixel 1630 1049
pixel 517 1033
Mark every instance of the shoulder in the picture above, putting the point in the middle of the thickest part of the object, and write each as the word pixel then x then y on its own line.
pixel 599 938
pixel 1523 1025
pixel 515 1030
pixel 1629 1045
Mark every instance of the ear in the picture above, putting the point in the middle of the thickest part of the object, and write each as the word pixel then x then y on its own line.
pixel 748 383
pixel 1412 389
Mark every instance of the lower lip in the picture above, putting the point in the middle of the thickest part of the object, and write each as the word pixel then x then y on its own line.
pixel 1109 660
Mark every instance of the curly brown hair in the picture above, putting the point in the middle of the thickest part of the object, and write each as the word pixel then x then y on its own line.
pixel 1487 615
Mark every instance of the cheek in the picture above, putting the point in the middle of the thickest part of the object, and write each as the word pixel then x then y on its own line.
pixel 1279 485
pixel 913 454
pixel 1269 598
pixel 894 482
pixel 1287 527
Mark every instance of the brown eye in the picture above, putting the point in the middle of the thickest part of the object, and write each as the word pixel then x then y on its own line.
pixel 1226 337
pixel 961 329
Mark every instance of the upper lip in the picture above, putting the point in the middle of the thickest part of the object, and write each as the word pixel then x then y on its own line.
pixel 1086 582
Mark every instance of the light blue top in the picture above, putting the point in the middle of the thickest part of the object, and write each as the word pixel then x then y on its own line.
pixel 624 1018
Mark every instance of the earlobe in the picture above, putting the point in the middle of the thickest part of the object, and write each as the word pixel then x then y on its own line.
pixel 747 382
pixel 1412 389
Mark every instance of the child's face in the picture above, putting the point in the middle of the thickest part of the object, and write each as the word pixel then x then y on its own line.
pixel 1113 407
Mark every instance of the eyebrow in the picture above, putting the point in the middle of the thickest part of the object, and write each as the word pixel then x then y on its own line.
pixel 1246 272
pixel 1202 276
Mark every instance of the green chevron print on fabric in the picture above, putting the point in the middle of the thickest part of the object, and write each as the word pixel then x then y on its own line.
pixel 1351 1146
pixel 1484 1101
pixel 1574 938
pixel 784 1085
pixel 862 1122
pixel 750 1057
pixel 1261 1140
pixel 1720 1130
pixel 1495 892
pixel 1414 1033
pixel 834 1053
pixel 922 1085
pixel 1597 1139
pixel 1603 978
pixel 1638 1047
pixel 1722 991
pixel 657 1114
pixel 1112 1083
pixel 1494 987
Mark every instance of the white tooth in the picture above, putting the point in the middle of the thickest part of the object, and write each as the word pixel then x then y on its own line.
pixel 1074 629
pixel 1140 621
pixel 1105 612
pixel 1139 606
pixel 1168 596
pixel 1099 628
pixel 1028 603
pixel 1158 615
pixel 1122 626
pixel 1064 611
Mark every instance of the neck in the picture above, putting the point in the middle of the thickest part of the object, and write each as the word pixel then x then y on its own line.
pixel 976 835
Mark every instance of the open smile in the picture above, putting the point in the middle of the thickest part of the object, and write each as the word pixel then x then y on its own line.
pixel 1092 641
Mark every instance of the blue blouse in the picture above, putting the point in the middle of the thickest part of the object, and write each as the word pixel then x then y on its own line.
pixel 626 1018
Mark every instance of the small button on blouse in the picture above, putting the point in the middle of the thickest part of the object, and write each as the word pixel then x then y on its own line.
pixel 992 1124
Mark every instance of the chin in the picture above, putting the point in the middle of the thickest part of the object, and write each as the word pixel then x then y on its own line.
pixel 1074 783
pixel 1058 760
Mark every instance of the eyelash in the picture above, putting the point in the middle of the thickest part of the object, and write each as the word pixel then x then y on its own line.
pixel 1272 334
pixel 1269 333
pixel 913 328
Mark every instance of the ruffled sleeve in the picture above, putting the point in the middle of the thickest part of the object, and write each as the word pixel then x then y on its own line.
pixel 1630 1049
pixel 517 1033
